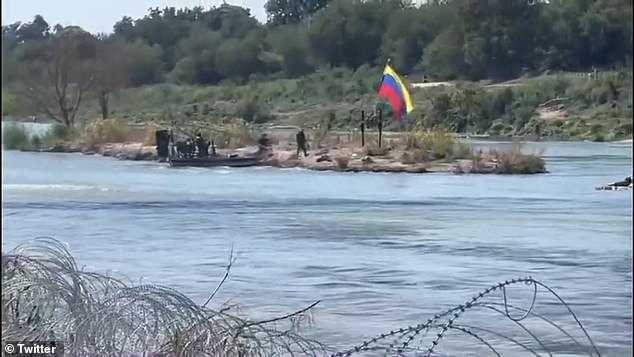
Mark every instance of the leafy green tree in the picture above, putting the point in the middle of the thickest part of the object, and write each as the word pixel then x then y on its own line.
pixel 284 12
pixel 144 63
pixel 349 33
pixel 291 44
pixel 198 54
pixel 240 57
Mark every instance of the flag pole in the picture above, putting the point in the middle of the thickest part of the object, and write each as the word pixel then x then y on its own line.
pixel 387 63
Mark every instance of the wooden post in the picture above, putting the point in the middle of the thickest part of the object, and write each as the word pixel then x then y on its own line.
pixel 362 128
pixel 380 126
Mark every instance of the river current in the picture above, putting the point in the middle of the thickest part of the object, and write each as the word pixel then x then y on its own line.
pixel 381 251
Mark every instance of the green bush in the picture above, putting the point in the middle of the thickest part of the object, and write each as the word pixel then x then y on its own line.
pixel 598 138
pixel 496 129
pixel 15 137
pixel 8 102
pixel 36 142
pixel 624 129
pixel 252 110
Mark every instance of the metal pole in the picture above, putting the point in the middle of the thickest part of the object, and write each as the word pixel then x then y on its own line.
pixel 380 126
pixel 362 128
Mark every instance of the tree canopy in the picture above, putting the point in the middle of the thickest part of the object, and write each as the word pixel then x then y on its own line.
pixel 441 39
pixel 464 39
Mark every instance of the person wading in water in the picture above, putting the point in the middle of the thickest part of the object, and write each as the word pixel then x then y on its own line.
pixel 301 142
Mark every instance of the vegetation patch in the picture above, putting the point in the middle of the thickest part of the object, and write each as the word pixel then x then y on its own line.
pixel 105 131
pixel 514 161
pixel 342 162
pixel 15 137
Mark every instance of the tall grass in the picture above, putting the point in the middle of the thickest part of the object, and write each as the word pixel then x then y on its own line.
pixel 234 134
pixel 105 131
pixel 46 296
pixel 15 137
pixel 375 150
pixel 436 144
pixel 514 161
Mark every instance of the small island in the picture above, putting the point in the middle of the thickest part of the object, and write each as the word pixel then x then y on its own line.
pixel 414 151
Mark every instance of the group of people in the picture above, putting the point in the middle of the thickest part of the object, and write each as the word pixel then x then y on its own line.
pixel 199 147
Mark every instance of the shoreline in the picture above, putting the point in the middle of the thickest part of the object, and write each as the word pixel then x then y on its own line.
pixel 335 158
pixel 387 134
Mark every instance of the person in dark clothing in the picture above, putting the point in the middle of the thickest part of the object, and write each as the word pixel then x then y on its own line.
pixel 625 183
pixel 200 145
pixel 301 142
pixel 263 141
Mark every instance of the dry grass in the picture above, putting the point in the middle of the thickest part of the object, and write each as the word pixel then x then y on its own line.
pixel 148 135
pixel 438 144
pixel 375 150
pixel 514 161
pixel 477 161
pixel 46 296
pixel 105 131
pixel 233 135
pixel 415 156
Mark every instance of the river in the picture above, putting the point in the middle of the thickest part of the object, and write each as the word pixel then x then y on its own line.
pixel 381 251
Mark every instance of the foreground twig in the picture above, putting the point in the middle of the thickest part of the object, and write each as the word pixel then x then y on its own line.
pixel 224 277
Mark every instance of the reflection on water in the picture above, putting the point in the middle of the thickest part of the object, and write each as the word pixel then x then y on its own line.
pixel 381 250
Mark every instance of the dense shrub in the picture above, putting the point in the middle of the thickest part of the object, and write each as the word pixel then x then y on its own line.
pixel 15 137
pixel 253 110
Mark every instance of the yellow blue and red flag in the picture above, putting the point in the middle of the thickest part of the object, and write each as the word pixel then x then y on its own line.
pixel 395 91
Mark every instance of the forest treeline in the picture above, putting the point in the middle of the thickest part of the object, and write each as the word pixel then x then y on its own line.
pixel 58 67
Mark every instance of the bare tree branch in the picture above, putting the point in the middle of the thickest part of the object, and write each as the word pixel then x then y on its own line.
pixel 59 72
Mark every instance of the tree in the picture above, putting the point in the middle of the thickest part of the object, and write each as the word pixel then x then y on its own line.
pixel 240 58
pixel 58 77
pixel 198 54
pixel 112 70
pixel 38 29
pixel 291 44
pixel 350 32
pixel 285 12
pixel 444 57
pixel 405 39
pixel 145 63
pixel 124 28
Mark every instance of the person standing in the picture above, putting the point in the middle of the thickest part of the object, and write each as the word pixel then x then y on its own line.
pixel 301 142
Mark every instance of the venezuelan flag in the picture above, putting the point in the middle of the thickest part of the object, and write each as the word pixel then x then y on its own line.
pixel 395 91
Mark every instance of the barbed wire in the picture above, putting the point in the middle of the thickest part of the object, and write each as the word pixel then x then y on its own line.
pixel 403 338
pixel 45 295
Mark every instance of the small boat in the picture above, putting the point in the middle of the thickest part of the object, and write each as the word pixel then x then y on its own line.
pixel 215 161
pixel 626 184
